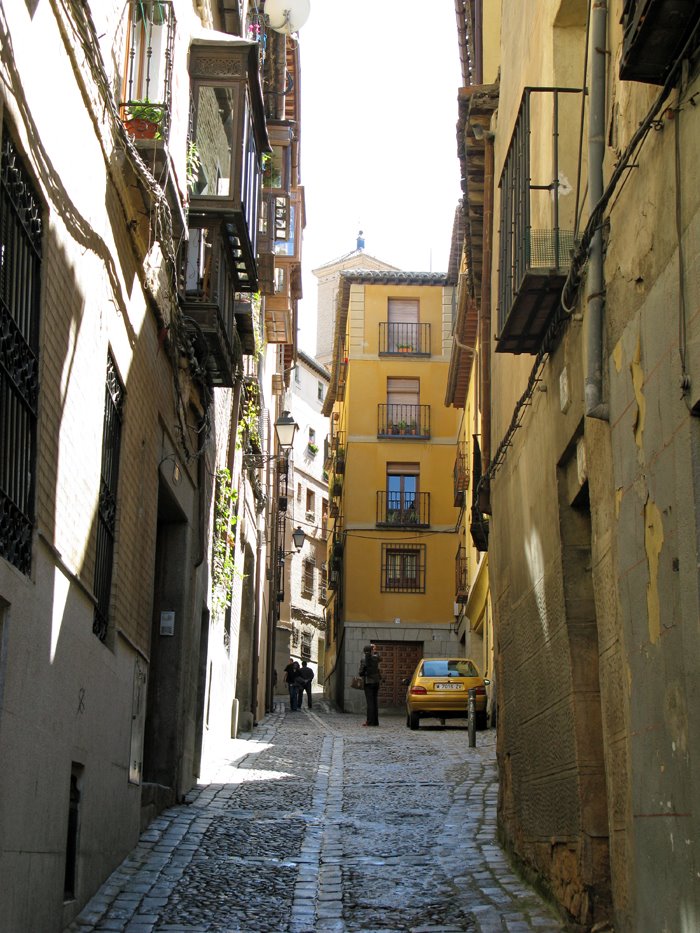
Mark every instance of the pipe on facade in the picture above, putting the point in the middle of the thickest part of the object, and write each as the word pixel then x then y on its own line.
pixel 256 629
pixel 595 407
pixel 485 310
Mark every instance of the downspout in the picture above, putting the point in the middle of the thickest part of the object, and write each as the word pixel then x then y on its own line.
pixel 595 282
pixel 485 310
pixel 256 629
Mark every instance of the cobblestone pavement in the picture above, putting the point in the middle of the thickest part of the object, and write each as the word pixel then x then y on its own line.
pixel 321 825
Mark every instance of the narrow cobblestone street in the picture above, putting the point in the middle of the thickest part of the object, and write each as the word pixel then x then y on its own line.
pixel 317 824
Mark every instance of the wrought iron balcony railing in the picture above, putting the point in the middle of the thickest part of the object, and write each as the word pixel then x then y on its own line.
pixel 408 421
pixel 460 476
pixel 536 224
pixel 461 577
pixel 410 339
pixel 146 107
pixel 223 319
pixel 399 510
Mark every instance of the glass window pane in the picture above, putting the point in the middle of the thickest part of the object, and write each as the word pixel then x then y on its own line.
pixel 215 125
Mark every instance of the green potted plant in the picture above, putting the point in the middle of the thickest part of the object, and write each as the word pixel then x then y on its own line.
pixel 313 449
pixel 143 120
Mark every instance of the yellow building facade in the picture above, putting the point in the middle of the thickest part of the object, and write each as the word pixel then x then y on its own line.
pixel 393 535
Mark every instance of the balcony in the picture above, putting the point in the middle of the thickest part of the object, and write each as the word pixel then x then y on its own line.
pixel 146 108
pixel 230 137
pixel 279 319
pixel 398 510
pixel 408 339
pixel 655 32
pixel 461 576
pixel 460 477
pixel 411 422
pixel 338 450
pixel 210 305
pixel 536 225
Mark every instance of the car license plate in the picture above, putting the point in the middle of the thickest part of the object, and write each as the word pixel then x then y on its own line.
pixel 449 686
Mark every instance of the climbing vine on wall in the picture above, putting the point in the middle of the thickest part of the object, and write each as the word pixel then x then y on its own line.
pixel 248 429
pixel 224 545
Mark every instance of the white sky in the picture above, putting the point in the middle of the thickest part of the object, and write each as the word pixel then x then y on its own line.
pixel 379 82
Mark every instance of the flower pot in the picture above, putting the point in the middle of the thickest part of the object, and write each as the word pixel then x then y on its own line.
pixel 141 129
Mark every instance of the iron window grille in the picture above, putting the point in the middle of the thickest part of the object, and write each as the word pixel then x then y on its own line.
pixel 308 578
pixel 461 575
pixel 305 645
pixel 403 568
pixel 149 64
pixel 536 222
pixel 107 505
pixel 20 287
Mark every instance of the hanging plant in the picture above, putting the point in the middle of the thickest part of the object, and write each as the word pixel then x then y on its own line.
pixel 249 421
pixel 224 544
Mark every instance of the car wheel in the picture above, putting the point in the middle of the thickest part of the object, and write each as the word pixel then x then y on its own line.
pixel 413 720
pixel 481 721
pixel 408 719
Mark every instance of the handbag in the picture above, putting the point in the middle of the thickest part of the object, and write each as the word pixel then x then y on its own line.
pixel 357 683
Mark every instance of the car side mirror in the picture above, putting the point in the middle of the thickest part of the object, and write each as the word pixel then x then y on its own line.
pixel 486 682
pixel 406 681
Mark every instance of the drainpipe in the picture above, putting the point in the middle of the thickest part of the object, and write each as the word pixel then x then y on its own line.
pixel 595 282
pixel 485 336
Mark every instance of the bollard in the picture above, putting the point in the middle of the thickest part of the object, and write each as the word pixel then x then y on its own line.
pixel 471 717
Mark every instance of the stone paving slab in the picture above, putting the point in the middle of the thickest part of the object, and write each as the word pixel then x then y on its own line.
pixel 312 825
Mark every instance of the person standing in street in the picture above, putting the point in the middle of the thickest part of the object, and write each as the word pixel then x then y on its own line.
pixel 304 677
pixel 369 671
pixel 290 677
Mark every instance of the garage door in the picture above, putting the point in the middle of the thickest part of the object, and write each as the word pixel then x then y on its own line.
pixel 399 659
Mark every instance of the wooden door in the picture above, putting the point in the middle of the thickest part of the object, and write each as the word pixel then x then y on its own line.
pixel 398 660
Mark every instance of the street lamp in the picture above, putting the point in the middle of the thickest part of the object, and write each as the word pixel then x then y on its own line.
pixel 285 429
pixel 298 537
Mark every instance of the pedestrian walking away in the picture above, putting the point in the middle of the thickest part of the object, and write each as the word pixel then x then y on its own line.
pixel 304 678
pixel 290 676
pixel 369 671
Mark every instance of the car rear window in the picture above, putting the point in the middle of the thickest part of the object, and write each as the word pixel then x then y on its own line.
pixel 452 668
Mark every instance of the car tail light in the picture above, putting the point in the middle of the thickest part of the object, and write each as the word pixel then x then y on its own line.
pixel 481 691
pixel 420 690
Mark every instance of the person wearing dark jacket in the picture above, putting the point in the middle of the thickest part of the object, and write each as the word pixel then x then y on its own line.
pixel 369 671
pixel 304 677
pixel 290 676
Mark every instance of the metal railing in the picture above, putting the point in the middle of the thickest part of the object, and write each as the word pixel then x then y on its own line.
pixel 534 233
pixel 398 420
pixel 404 338
pixel 148 79
pixel 400 510
pixel 461 575
pixel 460 476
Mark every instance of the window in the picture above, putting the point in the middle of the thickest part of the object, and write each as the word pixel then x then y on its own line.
pixel 307 585
pixel 20 284
pixel 312 436
pixel 319 390
pixel 403 411
pixel 402 493
pixel 403 568
pixel 107 505
pixel 323 584
pixel 299 491
pixel 310 504
pixel 148 64
pixel 403 325
pixel 324 517
pixel 305 644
